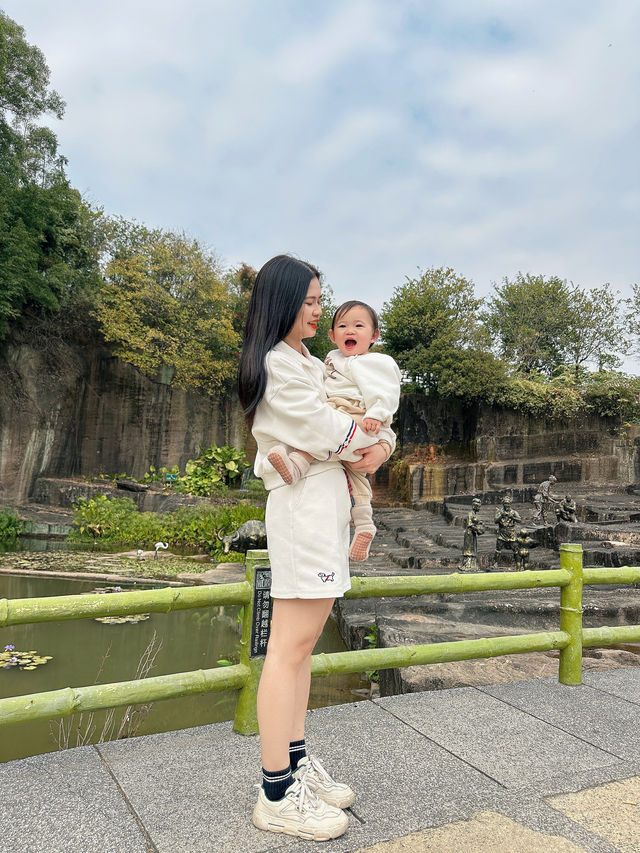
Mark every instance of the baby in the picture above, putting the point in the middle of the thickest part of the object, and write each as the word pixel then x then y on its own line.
pixel 364 385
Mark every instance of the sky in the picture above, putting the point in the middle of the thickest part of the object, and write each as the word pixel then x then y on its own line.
pixel 374 139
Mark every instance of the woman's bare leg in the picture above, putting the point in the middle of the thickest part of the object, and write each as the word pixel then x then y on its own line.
pixel 304 682
pixel 284 686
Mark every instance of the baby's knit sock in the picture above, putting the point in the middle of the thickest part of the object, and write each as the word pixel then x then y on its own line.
pixel 365 530
pixel 276 783
pixel 291 466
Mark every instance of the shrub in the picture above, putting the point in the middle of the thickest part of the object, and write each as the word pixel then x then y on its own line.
pixel 607 394
pixel 161 475
pixel 115 521
pixel 118 521
pixel 209 474
pixel 257 490
pixel 10 525
pixel 613 394
pixel 540 398
pixel 216 467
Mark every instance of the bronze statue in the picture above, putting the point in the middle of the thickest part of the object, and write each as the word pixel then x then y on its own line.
pixel 473 528
pixel 251 534
pixel 566 511
pixel 506 519
pixel 522 554
pixel 543 499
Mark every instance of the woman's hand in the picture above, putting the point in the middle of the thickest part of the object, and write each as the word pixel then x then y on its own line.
pixel 372 458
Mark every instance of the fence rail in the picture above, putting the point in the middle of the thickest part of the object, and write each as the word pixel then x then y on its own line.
pixel 244 676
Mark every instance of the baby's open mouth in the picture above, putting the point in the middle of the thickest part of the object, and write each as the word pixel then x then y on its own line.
pixel 350 343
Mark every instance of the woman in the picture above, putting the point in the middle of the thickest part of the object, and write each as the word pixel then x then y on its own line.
pixel 281 390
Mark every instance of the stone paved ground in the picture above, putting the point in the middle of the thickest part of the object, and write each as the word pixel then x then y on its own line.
pixel 523 767
pixel 532 767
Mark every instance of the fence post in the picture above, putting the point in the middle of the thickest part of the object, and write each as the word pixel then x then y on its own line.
pixel 245 721
pixel 571 614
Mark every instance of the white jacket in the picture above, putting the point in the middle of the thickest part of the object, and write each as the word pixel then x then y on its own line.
pixel 294 412
pixel 372 378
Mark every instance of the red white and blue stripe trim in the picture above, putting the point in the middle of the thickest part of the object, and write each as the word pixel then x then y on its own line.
pixel 349 488
pixel 351 432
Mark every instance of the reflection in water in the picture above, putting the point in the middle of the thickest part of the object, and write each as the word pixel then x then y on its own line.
pixel 33 543
pixel 86 652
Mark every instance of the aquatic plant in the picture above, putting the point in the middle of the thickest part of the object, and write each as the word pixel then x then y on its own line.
pixel 131 618
pixel 10 658
pixel 80 729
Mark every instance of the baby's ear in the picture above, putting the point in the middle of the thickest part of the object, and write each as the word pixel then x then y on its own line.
pixel 375 337
pixel 332 337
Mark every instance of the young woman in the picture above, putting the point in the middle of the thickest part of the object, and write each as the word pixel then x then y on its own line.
pixel 281 390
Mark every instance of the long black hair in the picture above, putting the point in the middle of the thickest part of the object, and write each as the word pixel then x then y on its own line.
pixel 280 288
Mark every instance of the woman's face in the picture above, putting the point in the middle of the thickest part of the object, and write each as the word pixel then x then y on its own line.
pixel 307 320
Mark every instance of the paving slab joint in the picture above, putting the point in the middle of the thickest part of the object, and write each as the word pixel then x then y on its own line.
pixel 151 847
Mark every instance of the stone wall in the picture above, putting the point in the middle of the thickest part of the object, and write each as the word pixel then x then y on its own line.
pixel 68 410
pixel 476 448
pixel 73 410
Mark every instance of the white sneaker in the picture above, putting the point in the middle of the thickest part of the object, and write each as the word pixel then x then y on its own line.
pixel 300 813
pixel 311 771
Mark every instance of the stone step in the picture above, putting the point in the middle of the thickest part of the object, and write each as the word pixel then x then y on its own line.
pixel 431 544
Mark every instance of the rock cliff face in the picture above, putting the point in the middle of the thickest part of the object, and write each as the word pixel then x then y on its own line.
pixel 476 448
pixel 73 410
pixel 70 410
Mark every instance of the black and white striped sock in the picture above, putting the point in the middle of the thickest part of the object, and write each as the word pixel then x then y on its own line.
pixel 297 750
pixel 275 783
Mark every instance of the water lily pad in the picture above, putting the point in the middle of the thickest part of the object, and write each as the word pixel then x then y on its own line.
pixel 131 619
pixel 11 659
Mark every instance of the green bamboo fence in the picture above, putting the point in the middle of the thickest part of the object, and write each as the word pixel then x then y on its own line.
pixel 570 639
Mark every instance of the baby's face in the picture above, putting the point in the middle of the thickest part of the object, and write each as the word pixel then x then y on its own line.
pixel 353 333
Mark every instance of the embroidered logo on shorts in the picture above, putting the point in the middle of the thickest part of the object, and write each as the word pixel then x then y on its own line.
pixel 324 577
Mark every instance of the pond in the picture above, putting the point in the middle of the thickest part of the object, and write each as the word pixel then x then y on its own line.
pixel 85 652
pixel 35 543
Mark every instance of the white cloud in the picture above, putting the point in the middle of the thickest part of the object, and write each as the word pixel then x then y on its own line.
pixel 309 59
pixel 370 137
pixel 350 137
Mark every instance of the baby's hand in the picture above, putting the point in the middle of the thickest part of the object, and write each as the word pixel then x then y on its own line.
pixel 371 425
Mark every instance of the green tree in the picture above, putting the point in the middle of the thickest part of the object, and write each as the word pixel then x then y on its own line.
pixel 49 251
pixel 239 282
pixel 25 97
pixel 431 327
pixel 164 303
pixel 633 317
pixel 528 318
pixel 595 329
pixel 541 324
pixel 47 242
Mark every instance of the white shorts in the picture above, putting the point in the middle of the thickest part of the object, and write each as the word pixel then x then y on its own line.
pixel 308 536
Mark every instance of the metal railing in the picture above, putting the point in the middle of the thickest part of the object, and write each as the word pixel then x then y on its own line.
pixel 570 639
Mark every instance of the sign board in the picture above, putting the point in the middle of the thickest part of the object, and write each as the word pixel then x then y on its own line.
pixel 262 609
